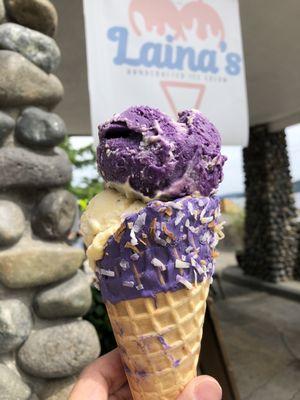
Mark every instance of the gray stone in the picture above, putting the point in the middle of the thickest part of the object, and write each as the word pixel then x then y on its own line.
pixel 39 129
pixel 62 350
pixel 12 223
pixel 23 168
pixel 54 216
pixel 39 15
pixel 58 389
pixel 6 125
pixel 15 324
pixel 23 83
pixel 71 298
pixel 2 11
pixel 33 263
pixel 11 385
pixel 35 46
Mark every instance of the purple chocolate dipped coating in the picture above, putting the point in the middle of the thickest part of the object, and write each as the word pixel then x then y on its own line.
pixel 164 247
pixel 158 157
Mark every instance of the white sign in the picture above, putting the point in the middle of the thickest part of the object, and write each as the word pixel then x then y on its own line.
pixel 170 54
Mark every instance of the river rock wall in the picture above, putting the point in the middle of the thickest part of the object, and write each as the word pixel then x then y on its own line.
pixel 44 343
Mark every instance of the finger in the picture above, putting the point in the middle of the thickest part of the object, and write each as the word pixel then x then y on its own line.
pixel 202 388
pixel 122 394
pixel 90 386
pixel 105 375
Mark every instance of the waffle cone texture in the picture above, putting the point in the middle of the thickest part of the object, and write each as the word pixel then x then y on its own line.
pixel 159 340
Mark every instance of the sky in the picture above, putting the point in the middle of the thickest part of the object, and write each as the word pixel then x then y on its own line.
pixel 233 171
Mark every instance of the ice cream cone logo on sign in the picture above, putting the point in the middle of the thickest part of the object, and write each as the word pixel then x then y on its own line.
pixel 195 18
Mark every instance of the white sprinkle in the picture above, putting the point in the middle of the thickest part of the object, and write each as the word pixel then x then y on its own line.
pixel 96 285
pixel 181 228
pixel 187 223
pixel 215 241
pixel 211 280
pixel 206 220
pixel 176 206
pixel 196 277
pixel 201 202
pixel 158 240
pixel 124 264
pixel 179 217
pixel 189 249
pixel 193 229
pixel 181 264
pixel 134 240
pixel 157 263
pixel 206 237
pixel 190 208
pixel 195 214
pixel 203 212
pixel 134 257
pixel 139 222
pixel 183 257
pixel 198 269
pixel 217 212
pixel 157 127
pixel 106 272
pixel 184 282
pixel 128 283
pixel 139 287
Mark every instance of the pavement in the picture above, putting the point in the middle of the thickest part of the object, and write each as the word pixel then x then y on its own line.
pixel 261 332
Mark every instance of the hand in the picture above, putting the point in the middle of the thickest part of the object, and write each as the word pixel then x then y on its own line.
pixel 105 379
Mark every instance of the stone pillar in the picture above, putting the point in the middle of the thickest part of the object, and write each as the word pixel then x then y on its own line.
pixel 297 270
pixel 43 292
pixel 270 232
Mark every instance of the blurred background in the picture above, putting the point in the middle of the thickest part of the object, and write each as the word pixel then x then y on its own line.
pixel 52 320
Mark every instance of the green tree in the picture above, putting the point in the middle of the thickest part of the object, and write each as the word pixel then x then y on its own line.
pixel 89 186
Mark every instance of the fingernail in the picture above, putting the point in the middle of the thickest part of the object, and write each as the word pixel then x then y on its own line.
pixel 208 389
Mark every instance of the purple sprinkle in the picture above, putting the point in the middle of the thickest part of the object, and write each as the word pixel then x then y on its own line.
pixel 164 344
pixel 141 373
pixel 176 363
pixel 127 370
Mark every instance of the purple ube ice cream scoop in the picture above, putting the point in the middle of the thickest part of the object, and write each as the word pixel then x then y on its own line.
pixel 146 154
pixel 166 246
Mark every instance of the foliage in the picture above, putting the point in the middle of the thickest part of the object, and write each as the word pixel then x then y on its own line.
pixel 80 158
pixel 99 318
pixel 84 191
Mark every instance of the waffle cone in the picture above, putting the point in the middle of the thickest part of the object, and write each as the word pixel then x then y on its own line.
pixel 159 340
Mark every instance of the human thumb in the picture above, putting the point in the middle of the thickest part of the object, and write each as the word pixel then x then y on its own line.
pixel 202 388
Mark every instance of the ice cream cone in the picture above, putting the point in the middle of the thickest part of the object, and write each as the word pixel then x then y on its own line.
pixel 159 340
pixel 154 258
